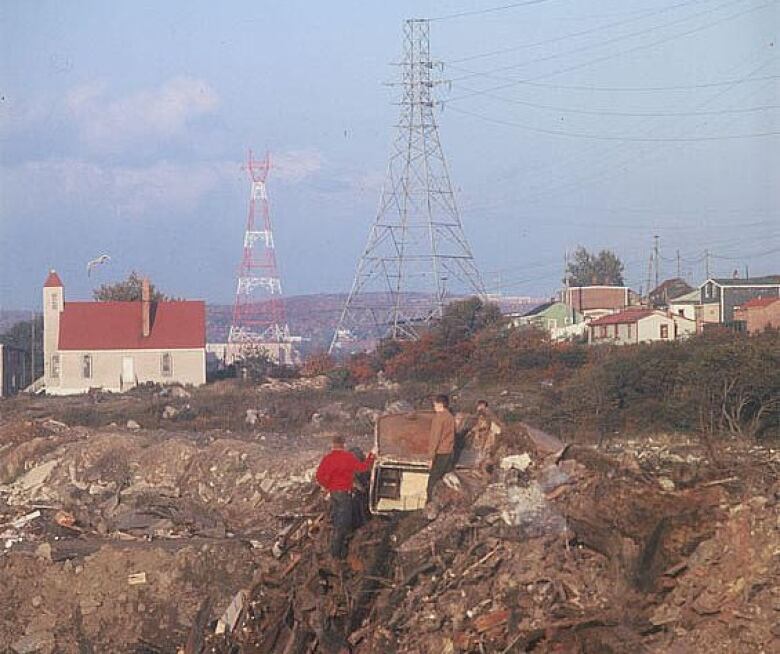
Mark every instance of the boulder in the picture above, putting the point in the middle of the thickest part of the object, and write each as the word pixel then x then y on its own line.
pixel 398 406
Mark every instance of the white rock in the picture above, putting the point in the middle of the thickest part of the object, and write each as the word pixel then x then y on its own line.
pixel 516 461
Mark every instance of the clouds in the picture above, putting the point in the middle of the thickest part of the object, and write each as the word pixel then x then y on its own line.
pixel 133 154
pixel 161 114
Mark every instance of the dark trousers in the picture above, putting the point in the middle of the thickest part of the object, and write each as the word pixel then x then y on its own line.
pixel 442 464
pixel 341 517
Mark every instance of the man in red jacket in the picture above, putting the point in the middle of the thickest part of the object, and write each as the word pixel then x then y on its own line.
pixel 335 474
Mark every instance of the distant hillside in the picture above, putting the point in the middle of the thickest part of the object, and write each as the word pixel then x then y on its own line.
pixel 315 317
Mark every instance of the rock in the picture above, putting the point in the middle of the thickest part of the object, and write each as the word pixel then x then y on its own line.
pixel 178 391
pixel 516 462
pixel 35 642
pixel 334 411
pixel 132 424
pixel 43 551
pixel 169 412
pixel 254 415
pixel 36 601
pixel 666 483
pixel 54 426
pixel 398 406
pixel 367 415
pixel 36 477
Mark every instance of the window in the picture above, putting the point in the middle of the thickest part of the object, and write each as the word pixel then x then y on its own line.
pixel 55 366
pixel 664 331
pixel 86 366
pixel 166 364
pixel 602 331
pixel 629 330
pixel 53 298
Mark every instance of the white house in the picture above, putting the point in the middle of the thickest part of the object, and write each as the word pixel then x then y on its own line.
pixel 640 326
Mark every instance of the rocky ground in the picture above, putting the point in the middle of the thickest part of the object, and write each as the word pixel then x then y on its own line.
pixel 123 530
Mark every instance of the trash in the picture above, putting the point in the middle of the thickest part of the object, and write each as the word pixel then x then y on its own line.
pixel 132 424
pixel 516 461
pixel 452 481
pixel 64 519
pixel 169 412
pixel 25 519
pixel 227 623
pixel 136 578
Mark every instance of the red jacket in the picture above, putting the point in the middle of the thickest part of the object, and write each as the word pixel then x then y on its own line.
pixel 337 469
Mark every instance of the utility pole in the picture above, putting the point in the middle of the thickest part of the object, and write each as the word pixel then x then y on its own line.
pixel 417 243
pixel 32 347
pixel 679 265
pixel 649 277
pixel 707 263
pixel 656 255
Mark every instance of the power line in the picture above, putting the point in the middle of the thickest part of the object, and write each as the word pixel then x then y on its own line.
pixel 599 44
pixel 514 82
pixel 631 114
pixel 649 89
pixel 571 35
pixel 606 137
pixel 488 10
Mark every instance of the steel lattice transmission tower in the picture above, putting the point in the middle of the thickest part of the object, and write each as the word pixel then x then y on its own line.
pixel 417 255
pixel 259 323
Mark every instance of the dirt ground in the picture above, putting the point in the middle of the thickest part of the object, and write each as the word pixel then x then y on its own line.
pixel 129 527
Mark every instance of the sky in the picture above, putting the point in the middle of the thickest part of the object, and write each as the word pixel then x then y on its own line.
pixel 602 123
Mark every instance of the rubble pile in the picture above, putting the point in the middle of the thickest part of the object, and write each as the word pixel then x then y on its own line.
pixel 109 538
pixel 575 551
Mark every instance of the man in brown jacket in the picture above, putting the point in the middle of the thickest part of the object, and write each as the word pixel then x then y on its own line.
pixel 442 441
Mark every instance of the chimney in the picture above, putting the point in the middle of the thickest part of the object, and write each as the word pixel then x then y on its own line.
pixel 145 308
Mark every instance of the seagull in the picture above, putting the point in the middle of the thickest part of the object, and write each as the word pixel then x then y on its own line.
pixel 103 258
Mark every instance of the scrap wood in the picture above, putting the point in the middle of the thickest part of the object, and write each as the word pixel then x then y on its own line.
pixel 476 564
pixel 718 482
pixel 490 621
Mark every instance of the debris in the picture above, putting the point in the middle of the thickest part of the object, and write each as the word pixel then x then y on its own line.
pixel 36 642
pixel 227 622
pixel 398 406
pixel 666 483
pixel 136 579
pixel 169 412
pixel 516 462
pixel 64 519
pixel 25 519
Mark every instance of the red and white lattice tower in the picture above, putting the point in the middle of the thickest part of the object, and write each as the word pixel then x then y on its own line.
pixel 259 322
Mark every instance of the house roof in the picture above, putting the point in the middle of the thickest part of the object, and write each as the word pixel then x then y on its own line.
pixel 53 279
pixel 767 280
pixel 118 326
pixel 671 287
pixel 623 318
pixel 694 297
pixel 757 302
pixel 538 309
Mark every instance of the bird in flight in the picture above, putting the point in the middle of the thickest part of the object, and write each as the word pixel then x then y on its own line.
pixel 103 258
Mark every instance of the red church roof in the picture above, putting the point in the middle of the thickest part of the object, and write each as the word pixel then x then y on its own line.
pixel 118 326
pixel 52 280
pixel 623 318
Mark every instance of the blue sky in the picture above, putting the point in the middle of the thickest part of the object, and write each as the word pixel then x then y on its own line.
pixel 123 127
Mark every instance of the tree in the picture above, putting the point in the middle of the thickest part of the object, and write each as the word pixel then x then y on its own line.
pixel 128 290
pixel 462 319
pixel 20 336
pixel 588 269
